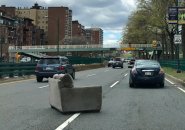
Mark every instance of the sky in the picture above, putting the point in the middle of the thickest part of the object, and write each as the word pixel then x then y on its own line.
pixel 110 15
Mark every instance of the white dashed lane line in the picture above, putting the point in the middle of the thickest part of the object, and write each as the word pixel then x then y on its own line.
pixel 114 84
pixel 44 86
pixel 67 122
pixel 125 75
pixel 91 75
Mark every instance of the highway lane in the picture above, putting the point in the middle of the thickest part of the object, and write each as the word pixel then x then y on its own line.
pixel 25 105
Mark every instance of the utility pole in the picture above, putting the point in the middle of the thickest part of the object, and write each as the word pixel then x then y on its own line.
pixel 177 32
pixel 58 52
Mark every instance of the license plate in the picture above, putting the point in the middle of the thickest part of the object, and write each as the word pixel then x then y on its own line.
pixel 49 68
pixel 148 73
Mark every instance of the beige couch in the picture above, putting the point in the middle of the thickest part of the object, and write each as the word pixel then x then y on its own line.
pixel 65 97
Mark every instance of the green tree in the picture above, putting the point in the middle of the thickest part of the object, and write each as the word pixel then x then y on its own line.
pixel 149 22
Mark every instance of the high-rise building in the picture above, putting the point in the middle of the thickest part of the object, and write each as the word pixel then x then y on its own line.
pixel 78 33
pixel 38 14
pixel 78 30
pixel 59 25
pixel 10 11
pixel 94 35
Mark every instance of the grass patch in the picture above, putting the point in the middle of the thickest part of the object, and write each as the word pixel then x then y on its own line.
pixel 174 73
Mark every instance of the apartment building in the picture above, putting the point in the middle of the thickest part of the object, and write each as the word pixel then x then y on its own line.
pixel 94 35
pixel 78 33
pixel 10 11
pixel 59 25
pixel 37 13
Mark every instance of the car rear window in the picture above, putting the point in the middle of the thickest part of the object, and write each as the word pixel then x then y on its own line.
pixel 117 59
pixel 49 61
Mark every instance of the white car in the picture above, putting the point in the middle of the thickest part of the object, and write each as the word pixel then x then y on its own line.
pixel 25 59
pixel 111 61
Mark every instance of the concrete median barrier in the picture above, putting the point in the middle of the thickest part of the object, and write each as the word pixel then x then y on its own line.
pixel 65 97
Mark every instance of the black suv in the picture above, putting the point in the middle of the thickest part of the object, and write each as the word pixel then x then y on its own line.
pixel 50 65
pixel 117 62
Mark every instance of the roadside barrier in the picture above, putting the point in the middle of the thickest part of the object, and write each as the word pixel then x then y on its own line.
pixel 26 69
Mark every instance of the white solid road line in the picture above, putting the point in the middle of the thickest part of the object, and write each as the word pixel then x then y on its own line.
pixel 90 75
pixel 126 74
pixel 169 81
pixel 12 82
pixel 181 89
pixel 67 122
pixel 114 84
pixel 44 86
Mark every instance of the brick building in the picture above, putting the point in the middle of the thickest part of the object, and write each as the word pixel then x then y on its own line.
pixel 78 33
pixel 59 25
pixel 10 11
pixel 94 35
pixel 37 13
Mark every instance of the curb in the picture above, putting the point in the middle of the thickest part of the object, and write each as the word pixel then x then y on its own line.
pixel 175 79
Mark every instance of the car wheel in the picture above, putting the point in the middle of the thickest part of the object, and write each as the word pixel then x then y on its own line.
pixel 73 75
pixel 121 66
pixel 39 79
pixel 162 85
pixel 131 84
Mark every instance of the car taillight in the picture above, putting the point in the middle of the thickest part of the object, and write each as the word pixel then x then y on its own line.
pixel 161 71
pixel 61 68
pixel 134 71
pixel 37 68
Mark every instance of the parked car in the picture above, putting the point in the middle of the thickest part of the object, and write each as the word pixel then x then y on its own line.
pixel 117 62
pixel 50 65
pixel 131 63
pixel 110 62
pixel 146 72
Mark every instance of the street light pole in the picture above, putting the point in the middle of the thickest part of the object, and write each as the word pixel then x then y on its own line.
pixel 58 52
pixel 177 29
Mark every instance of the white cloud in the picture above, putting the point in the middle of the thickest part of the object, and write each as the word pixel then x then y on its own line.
pixel 111 15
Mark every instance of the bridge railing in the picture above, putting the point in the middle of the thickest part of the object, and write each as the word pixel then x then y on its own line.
pixel 54 47
pixel 77 46
pixel 136 45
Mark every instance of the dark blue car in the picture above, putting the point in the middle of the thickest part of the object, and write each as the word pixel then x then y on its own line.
pixel 49 65
pixel 146 72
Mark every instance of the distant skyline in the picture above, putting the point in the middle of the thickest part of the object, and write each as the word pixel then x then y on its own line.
pixel 110 15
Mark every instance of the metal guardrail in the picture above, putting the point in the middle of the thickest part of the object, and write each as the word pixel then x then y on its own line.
pixel 20 69
pixel 16 69
pixel 173 64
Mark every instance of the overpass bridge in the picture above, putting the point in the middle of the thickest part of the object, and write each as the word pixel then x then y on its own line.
pixel 33 50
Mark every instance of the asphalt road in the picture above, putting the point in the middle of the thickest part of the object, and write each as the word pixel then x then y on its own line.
pixel 24 105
